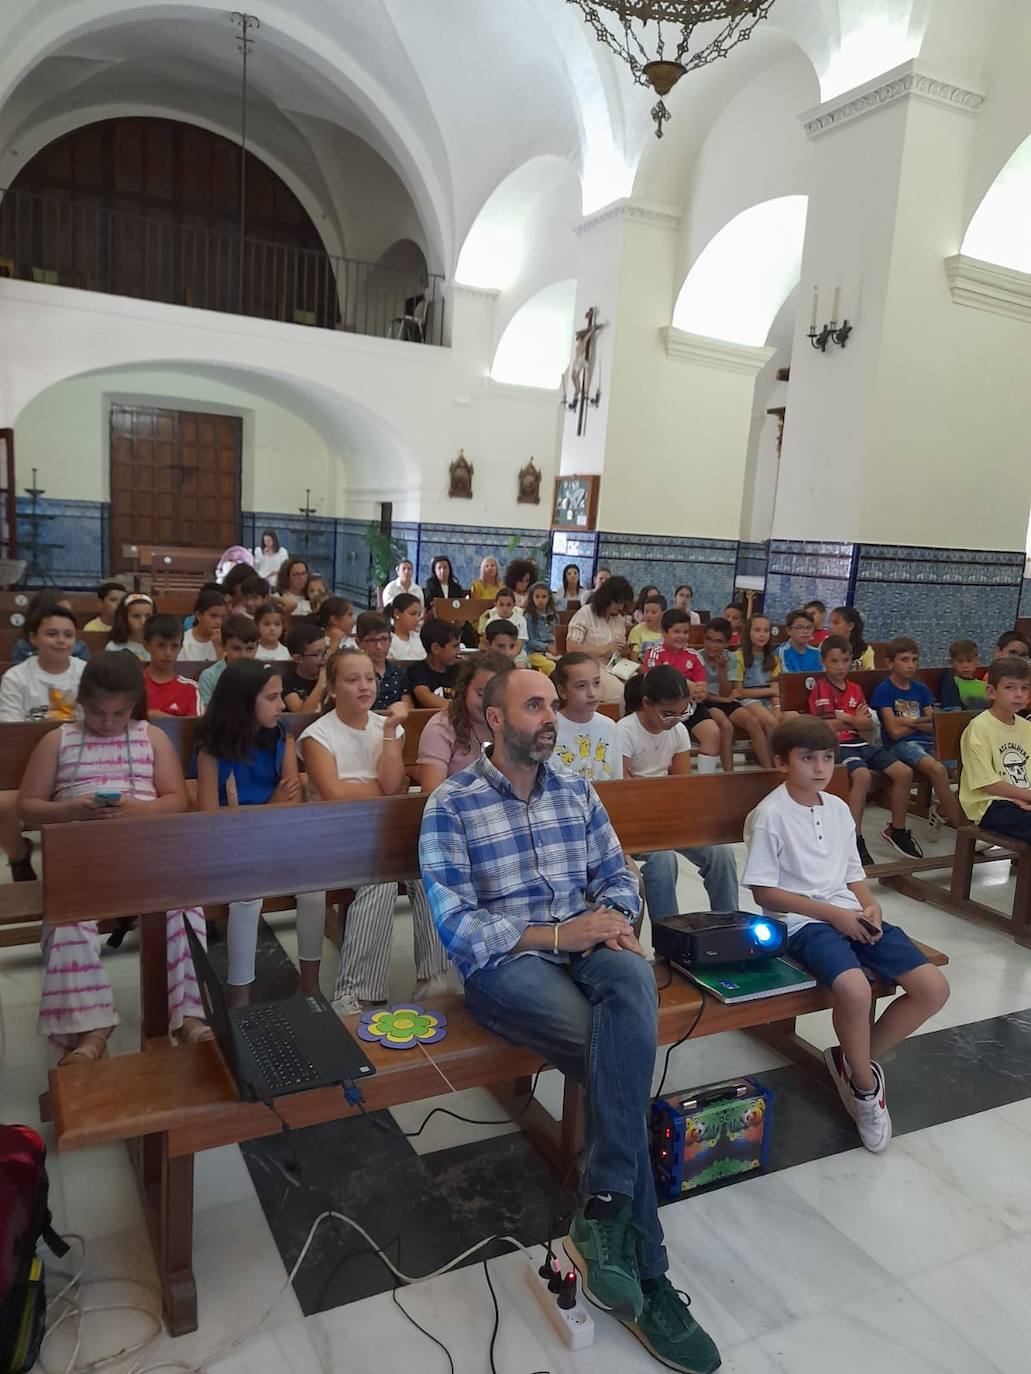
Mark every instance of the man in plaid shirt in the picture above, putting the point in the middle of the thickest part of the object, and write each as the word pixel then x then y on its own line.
pixel 534 903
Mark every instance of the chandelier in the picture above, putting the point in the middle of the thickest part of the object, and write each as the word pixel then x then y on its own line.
pixel 630 27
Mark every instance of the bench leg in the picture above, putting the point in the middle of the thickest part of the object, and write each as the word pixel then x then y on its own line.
pixel 962 867
pixel 573 1119
pixel 153 975
pixel 1022 901
pixel 167 1186
pixel 784 1038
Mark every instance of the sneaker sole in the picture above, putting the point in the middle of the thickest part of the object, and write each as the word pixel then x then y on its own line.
pixel 635 1330
pixel 844 1089
pixel 898 848
pixel 626 1315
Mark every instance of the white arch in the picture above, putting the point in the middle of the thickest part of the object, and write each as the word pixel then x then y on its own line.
pixel 495 247
pixel 282 27
pixel 1000 230
pixel 534 349
pixel 744 274
pixel 36 137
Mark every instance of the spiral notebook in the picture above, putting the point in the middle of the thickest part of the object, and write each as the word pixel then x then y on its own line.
pixel 750 982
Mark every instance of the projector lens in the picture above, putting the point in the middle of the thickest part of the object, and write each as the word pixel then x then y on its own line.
pixel 763 933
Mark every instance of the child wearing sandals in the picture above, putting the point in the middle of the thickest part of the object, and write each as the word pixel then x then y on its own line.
pixel 245 757
pixel 353 754
pixel 109 765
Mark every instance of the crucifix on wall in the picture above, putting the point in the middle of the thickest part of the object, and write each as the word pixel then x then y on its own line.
pixel 581 370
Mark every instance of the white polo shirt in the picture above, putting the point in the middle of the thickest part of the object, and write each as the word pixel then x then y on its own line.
pixel 810 850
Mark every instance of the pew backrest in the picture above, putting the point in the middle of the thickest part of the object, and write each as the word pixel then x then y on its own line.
pixel 795 687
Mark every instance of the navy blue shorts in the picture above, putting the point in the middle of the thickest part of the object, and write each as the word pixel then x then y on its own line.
pixel 870 756
pixel 826 953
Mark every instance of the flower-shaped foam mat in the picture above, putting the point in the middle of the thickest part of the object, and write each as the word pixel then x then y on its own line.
pixel 402 1026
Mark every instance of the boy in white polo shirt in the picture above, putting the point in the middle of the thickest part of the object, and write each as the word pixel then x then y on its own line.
pixel 803 865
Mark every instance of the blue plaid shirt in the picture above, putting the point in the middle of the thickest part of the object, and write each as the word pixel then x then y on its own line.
pixel 494 864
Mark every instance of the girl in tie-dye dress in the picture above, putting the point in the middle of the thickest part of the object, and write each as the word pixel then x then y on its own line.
pixel 108 752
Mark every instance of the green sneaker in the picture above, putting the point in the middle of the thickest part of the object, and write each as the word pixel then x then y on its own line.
pixel 668 1331
pixel 605 1254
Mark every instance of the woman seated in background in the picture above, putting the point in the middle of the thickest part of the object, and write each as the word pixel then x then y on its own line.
pixel 520 576
pixel 600 629
pixel 488 584
pixel 682 599
pixel 570 590
pixel 269 556
pixel 292 587
pixel 442 583
pixel 49 596
pixel 403 582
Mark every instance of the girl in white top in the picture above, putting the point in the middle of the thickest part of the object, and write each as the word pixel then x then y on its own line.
pixel 271 649
pixel 132 614
pixel 270 555
pixel 405 613
pixel 588 745
pixel 351 754
pixel 682 598
pixel 403 582
pixel 599 630
pixel 202 642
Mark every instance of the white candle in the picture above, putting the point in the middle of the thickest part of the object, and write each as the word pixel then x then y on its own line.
pixel 816 303
pixel 834 304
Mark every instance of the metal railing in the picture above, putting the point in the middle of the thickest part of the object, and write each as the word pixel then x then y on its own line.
pixel 89 245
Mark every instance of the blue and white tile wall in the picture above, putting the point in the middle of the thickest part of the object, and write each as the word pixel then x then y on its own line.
pixel 1025 597
pixel 937 595
pixel 580 548
pixel 707 565
pixel 77 532
pixel 468 545
pixel 751 558
pixel 798 572
pixel 313 541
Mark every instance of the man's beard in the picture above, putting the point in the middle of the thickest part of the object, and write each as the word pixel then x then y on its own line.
pixel 525 747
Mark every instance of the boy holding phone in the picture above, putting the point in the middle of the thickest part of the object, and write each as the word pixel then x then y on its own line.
pixel 803 866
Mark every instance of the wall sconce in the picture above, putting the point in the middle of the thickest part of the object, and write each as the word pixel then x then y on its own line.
pixel 832 332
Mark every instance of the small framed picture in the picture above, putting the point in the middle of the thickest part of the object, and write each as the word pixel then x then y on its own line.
pixel 575 505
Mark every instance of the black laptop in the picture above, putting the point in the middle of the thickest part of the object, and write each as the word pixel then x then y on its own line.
pixel 276 1048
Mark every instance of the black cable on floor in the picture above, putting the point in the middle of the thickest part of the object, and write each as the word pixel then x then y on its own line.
pixel 428 1334
pixel 676 1045
pixel 446 1111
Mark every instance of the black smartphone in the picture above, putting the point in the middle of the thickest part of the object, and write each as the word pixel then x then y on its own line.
pixel 869 926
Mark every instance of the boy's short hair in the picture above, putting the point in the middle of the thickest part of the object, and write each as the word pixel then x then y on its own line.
pixel 162 626
pixel 48 609
pixel 505 591
pixel 1010 636
pixel 674 616
pixel 1014 667
pixel 438 632
pixel 106 587
pixel 303 634
pixel 254 586
pixel 240 627
pixel 800 614
pixel 720 626
pixel 500 627
pixel 817 605
pixel 828 646
pixel 266 608
pixel 802 732
pixel 371 623
pixel 657 599
pixel 208 601
pixel 963 648
pixel 902 645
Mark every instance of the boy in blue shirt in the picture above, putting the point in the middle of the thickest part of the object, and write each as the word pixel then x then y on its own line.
pixel 906 710
pixel 799 655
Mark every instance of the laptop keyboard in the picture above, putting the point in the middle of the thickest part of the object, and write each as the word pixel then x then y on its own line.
pixel 270 1039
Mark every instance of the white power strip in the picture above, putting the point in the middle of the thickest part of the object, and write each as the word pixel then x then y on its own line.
pixel 575 1326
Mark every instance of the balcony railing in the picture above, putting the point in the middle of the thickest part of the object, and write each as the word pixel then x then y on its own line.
pixel 85 244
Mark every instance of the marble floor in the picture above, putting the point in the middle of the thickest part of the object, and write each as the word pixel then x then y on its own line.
pixel 913 1262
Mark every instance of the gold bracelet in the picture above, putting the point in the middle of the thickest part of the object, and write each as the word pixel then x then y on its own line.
pixel 554 947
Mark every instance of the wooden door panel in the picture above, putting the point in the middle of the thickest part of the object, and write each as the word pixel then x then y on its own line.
pixel 175 478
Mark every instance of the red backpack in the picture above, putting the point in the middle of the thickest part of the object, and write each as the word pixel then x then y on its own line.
pixel 24 1221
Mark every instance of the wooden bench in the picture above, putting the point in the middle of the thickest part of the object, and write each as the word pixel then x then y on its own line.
pixel 178 1102
pixel 955 897
pixel 795 687
pixel 459 611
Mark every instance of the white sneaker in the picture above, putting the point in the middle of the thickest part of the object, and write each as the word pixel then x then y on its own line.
pixel 872 1117
pixel 837 1067
pixel 347 1005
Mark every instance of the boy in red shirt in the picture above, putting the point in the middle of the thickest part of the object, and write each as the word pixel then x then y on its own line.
pixel 818 611
pixel 840 702
pixel 701 726
pixel 168 694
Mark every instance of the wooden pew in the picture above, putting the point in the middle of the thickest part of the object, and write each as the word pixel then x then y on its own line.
pixel 178 1102
pixel 459 611
pixel 795 687
pixel 955 896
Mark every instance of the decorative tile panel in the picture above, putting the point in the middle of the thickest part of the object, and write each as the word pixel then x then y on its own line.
pixel 798 571
pixel 468 545
pixel 78 530
pixel 666 561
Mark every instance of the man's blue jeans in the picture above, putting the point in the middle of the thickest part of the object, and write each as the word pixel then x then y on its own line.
pixel 715 862
pixel 595 1019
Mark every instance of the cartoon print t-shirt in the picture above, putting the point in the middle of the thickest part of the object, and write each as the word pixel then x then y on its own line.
pixel 993 752
pixel 587 751
pixel 28 693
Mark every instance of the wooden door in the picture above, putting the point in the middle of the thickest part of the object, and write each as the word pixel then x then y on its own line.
pixel 175 479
